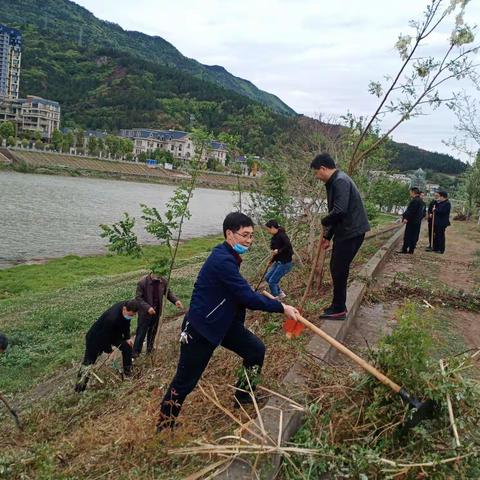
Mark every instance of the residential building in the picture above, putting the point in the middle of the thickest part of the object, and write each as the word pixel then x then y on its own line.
pixel 432 188
pixel 31 114
pixel 10 59
pixel 178 143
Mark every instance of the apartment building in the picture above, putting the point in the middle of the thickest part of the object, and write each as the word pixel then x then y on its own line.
pixel 177 142
pixel 31 114
pixel 10 59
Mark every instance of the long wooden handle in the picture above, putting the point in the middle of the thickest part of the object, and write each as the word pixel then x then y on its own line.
pixel 359 361
pixel 318 256
pixel 342 348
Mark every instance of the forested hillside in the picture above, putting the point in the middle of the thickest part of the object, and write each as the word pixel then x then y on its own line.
pixel 107 78
pixel 408 157
pixel 66 21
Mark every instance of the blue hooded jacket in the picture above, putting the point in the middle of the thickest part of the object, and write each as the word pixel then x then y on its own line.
pixel 221 296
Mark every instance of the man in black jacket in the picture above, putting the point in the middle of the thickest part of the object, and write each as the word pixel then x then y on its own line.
pixel 111 329
pixel 346 222
pixel 430 220
pixel 412 216
pixel 150 292
pixel 442 221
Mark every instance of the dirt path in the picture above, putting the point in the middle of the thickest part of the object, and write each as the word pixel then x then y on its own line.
pixel 457 270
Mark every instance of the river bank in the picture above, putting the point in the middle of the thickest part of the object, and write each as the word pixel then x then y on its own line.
pixel 52 163
pixel 51 216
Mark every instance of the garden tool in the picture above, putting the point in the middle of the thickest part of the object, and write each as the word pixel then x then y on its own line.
pixel 293 328
pixel 433 227
pixel 12 412
pixel 264 273
pixel 421 410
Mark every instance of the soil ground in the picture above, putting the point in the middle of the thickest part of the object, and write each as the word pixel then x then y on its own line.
pixel 458 270
pixel 108 432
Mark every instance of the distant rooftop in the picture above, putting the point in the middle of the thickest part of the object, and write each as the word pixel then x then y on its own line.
pixel 157 134
pixel 15 35
pixel 35 99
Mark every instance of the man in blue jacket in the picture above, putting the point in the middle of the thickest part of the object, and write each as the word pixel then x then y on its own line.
pixel 216 317
pixel 346 222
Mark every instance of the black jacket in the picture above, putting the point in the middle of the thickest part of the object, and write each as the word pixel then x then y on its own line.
pixel 415 211
pixel 145 293
pixel 442 214
pixel 111 328
pixel 281 242
pixel 346 217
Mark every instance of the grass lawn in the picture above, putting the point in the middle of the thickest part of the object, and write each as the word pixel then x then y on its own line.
pixel 69 270
pixel 46 309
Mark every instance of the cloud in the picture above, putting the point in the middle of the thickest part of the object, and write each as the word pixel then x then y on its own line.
pixel 316 55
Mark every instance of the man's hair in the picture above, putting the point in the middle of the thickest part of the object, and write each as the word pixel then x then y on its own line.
pixel 131 305
pixel 323 160
pixel 272 223
pixel 443 193
pixel 234 221
pixel 415 190
pixel 3 342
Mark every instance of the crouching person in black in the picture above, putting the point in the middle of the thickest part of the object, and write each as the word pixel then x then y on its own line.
pixel 111 329
pixel 216 317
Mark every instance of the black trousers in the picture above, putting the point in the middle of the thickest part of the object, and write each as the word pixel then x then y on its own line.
pixel 439 239
pixel 430 233
pixel 147 327
pixel 194 358
pixel 343 253
pixel 92 352
pixel 410 238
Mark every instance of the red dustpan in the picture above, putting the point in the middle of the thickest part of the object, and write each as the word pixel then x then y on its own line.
pixel 292 328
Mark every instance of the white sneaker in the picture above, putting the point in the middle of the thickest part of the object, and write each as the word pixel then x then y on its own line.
pixel 282 295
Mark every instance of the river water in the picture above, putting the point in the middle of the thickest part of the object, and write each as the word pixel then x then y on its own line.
pixel 43 216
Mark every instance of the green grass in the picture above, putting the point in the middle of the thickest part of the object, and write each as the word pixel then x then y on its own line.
pixel 384 218
pixel 67 271
pixel 47 309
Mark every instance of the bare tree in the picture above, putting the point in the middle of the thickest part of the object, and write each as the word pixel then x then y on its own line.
pixel 418 82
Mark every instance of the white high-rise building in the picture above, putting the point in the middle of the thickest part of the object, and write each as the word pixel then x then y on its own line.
pixel 10 59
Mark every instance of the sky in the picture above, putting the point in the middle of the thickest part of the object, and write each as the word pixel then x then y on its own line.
pixel 318 56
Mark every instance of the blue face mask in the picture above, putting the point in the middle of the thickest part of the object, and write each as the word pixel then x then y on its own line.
pixel 240 249
pixel 127 317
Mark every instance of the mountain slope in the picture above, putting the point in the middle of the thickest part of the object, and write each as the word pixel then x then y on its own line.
pixel 408 157
pixel 73 23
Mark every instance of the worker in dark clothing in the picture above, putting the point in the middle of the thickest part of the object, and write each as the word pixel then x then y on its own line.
pixel 442 221
pixel 111 329
pixel 412 217
pixel 346 222
pixel 431 220
pixel 3 342
pixel 216 317
pixel 281 260
pixel 150 292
